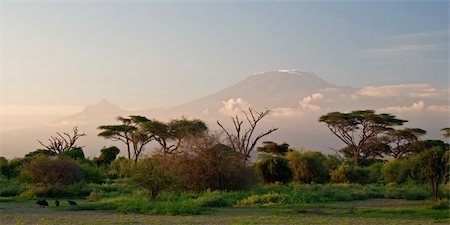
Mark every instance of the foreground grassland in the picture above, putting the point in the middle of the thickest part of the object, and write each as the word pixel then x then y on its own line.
pixel 373 211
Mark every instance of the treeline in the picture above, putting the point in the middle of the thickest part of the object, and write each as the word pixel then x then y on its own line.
pixel 190 157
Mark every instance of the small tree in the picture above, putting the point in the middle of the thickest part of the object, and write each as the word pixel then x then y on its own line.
pixel 154 174
pixel 63 142
pixel 52 174
pixel 241 140
pixel 274 148
pixel 274 169
pixel 435 167
pixel 308 166
pixel 170 135
pixel 206 164
pixel 130 132
pixel 107 155
pixel 356 128
pixel 403 141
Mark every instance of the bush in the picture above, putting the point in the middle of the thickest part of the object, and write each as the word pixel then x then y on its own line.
pixel 265 200
pixel 409 191
pixel 154 174
pixel 206 164
pixel 107 155
pixel 308 167
pixel 92 174
pixel 441 205
pixel 73 153
pixel 121 167
pixel 214 200
pixel 11 187
pixel 375 172
pixel 52 175
pixel 395 170
pixel 415 193
pixel 346 173
pixel 274 169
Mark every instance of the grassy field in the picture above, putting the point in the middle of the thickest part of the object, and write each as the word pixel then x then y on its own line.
pixel 373 211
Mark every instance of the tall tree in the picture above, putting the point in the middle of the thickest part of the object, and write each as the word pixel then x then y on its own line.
pixel 130 132
pixel 122 132
pixel 356 128
pixel 435 166
pixel 403 141
pixel 63 142
pixel 170 135
pixel 241 139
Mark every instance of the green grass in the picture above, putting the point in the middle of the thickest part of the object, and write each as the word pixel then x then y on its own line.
pixel 399 212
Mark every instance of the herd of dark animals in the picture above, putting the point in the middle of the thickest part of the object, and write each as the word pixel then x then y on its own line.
pixel 43 203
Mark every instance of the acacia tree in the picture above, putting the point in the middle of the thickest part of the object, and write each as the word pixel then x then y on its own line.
pixel 403 141
pixel 241 139
pixel 356 128
pixel 170 135
pixel 63 142
pixel 120 132
pixel 129 132
pixel 373 148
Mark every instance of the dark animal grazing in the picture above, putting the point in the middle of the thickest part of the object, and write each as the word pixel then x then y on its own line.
pixel 42 203
pixel 56 202
pixel 71 202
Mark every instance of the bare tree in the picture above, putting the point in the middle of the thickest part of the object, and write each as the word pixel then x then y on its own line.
pixel 241 139
pixel 63 142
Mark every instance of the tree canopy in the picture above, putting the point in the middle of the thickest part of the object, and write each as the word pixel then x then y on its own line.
pixel 358 127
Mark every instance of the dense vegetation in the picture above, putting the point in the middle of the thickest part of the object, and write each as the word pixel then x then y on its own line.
pixel 196 169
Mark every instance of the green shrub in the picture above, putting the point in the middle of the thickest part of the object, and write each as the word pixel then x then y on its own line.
pixel 346 173
pixel 266 199
pixel 92 174
pixel 415 193
pixel 308 167
pixel 393 191
pixel 154 174
pixel 73 153
pixel 11 187
pixel 396 170
pixel 441 205
pixel 121 167
pixel 212 201
pixel 274 169
pixel 409 191
pixel 375 172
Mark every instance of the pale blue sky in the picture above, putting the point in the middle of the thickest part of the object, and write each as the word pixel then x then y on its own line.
pixel 151 54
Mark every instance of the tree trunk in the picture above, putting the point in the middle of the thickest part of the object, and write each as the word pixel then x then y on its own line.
pixel 434 188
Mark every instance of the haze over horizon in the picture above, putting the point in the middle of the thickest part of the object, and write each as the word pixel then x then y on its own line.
pixel 58 57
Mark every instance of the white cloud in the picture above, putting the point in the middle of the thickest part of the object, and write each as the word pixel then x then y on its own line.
pixel 416 37
pixel 408 90
pixel 307 102
pixel 402 50
pixel 284 112
pixel 417 106
pixel 233 107
pixel 409 44
pixel 439 108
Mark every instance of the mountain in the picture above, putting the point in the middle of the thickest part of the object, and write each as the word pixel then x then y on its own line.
pixel 296 99
pixel 281 88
